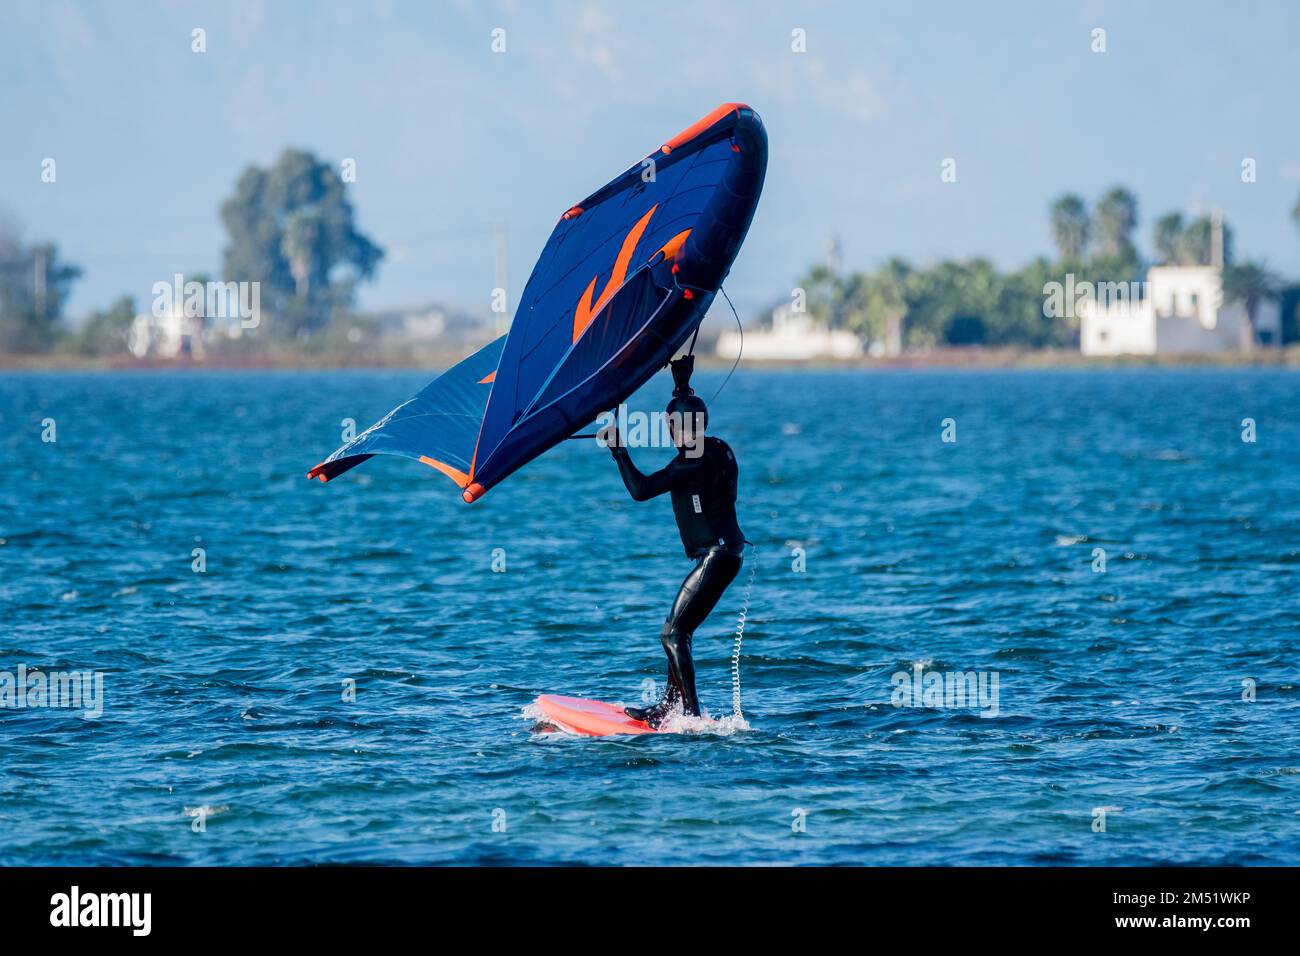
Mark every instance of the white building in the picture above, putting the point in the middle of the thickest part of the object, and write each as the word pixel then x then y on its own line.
pixel 1179 309
pixel 166 336
pixel 794 336
pixel 412 326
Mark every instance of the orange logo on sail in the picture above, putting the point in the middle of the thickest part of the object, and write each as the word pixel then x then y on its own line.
pixel 584 312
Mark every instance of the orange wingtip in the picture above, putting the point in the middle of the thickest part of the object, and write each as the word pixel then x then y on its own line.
pixel 473 492
pixel 317 472
pixel 700 125
pixel 454 474
pixel 573 213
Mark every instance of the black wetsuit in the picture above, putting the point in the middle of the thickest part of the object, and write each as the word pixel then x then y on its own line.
pixel 703 490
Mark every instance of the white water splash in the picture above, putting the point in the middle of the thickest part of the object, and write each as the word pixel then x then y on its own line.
pixel 719 726
pixel 532 712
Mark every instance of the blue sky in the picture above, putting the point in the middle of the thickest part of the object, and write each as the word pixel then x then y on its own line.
pixel 450 138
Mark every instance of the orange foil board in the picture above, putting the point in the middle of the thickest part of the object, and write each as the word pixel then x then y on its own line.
pixel 591 718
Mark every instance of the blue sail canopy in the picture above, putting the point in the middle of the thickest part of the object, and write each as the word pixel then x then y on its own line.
pixel 625 278
pixel 438 426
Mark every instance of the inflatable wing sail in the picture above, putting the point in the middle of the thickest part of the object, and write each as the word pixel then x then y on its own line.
pixel 623 282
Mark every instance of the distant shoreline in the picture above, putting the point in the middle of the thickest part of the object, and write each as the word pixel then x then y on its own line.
pixel 973 357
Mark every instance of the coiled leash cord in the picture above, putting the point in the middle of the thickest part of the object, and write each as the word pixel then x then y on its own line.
pixel 740 636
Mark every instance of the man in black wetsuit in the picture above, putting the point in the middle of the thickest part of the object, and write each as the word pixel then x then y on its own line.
pixel 702 482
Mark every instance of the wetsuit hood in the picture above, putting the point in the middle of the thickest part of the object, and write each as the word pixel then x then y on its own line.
pixel 685 403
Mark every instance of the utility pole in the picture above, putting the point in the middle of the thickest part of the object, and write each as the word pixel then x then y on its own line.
pixel 1216 239
pixel 39 263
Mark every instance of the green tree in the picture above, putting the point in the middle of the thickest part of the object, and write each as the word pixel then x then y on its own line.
pixel 1113 224
pixel 823 294
pixel 1196 244
pixel 892 301
pixel 34 285
pixel 874 304
pixel 1070 227
pixel 1020 311
pixel 293 230
pixel 1250 283
pixel 1168 239
pixel 1123 266
pixel 107 331
pixel 955 303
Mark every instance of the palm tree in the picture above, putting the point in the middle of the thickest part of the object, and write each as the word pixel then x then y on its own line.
pixel 1250 283
pixel 894 281
pixel 1070 227
pixel 876 303
pixel 1168 237
pixel 822 295
pixel 1196 244
pixel 1114 222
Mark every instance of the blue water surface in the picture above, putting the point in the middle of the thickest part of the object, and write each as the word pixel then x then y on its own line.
pixel 881 548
